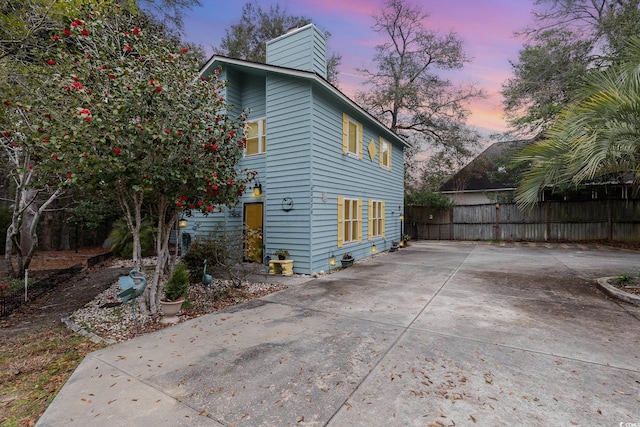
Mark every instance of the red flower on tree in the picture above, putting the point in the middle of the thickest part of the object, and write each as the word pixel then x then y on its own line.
pixel 128 48
pixel 84 32
pixel 51 62
pixel 116 151
pixel 66 32
pixel 55 38
pixel 158 89
pixel 76 23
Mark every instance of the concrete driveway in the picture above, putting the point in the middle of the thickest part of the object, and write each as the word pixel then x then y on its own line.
pixel 436 334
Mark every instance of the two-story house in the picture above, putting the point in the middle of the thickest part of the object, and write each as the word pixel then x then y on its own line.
pixel 331 175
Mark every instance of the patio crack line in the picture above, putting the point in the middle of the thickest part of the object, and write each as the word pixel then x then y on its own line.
pixel 529 350
pixel 153 386
pixel 628 310
pixel 403 332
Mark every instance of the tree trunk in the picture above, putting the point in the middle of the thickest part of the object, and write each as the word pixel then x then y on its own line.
pixel 64 233
pixel 166 222
pixel 46 239
pixel 28 240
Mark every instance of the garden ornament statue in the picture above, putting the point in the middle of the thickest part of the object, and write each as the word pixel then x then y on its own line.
pixel 207 280
pixel 132 287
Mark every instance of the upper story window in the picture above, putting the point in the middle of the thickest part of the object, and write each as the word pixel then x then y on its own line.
pixel 351 136
pixel 256 137
pixel 385 154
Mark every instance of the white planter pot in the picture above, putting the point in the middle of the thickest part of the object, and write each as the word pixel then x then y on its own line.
pixel 170 310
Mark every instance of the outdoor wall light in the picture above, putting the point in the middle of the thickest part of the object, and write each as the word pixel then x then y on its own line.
pixel 257 188
pixel 374 249
pixel 332 260
pixel 182 223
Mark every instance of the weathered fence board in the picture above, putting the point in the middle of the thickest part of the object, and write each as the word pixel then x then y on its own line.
pixel 614 220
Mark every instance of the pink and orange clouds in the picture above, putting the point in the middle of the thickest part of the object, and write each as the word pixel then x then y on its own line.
pixel 486 27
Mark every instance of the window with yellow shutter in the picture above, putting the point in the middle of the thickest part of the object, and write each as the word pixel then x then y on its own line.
pixel 376 218
pixel 256 134
pixel 351 136
pixel 349 222
pixel 385 154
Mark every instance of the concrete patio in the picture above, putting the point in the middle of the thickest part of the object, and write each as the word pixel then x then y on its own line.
pixel 440 333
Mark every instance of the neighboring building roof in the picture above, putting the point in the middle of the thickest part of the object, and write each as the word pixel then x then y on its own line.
pixel 487 172
pixel 262 69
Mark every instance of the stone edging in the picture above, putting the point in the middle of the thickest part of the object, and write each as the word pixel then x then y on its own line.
pixel 612 291
pixel 80 330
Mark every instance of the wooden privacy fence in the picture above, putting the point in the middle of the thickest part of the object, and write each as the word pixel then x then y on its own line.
pixel 612 220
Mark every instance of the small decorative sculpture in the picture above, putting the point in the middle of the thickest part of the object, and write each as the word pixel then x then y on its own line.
pixel 132 287
pixel 207 280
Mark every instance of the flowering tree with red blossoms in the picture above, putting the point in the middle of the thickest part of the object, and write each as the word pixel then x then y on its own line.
pixel 34 161
pixel 146 125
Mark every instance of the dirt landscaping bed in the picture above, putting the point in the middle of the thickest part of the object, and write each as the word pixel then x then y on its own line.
pixel 38 353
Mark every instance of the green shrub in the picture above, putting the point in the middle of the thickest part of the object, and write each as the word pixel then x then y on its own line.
pixel 122 239
pixel 623 279
pixel 178 284
pixel 226 252
pixel 200 250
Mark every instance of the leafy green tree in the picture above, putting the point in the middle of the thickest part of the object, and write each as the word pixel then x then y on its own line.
pixel 37 164
pixel 169 12
pixel 27 115
pixel 125 110
pixel 247 39
pixel 406 91
pixel 594 138
pixel 570 38
pixel 545 79
pixel 161 133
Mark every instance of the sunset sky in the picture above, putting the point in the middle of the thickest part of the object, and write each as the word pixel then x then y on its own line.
pixel 485 26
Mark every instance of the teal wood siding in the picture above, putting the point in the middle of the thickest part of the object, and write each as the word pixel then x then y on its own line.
pixel 288 169
pixel 233 92
pixel 303 49
pixel 253 97
pixel 337 174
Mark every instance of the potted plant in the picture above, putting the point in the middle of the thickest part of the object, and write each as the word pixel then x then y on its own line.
pixel 282 254
pixel 394 247
pixel 174 293
pixel 347 260
pixel 405 239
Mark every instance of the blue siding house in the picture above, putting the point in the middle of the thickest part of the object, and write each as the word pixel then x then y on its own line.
pixel 331 175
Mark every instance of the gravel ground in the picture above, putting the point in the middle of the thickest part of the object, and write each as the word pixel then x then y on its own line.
pixel 107 318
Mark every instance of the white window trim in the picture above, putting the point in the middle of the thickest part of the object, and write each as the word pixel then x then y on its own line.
pixel 260 121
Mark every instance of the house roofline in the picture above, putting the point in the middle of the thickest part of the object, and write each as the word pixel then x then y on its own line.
pixel 308 76
pixel 487 190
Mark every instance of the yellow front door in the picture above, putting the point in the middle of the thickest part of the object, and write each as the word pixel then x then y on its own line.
pixel 253 222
